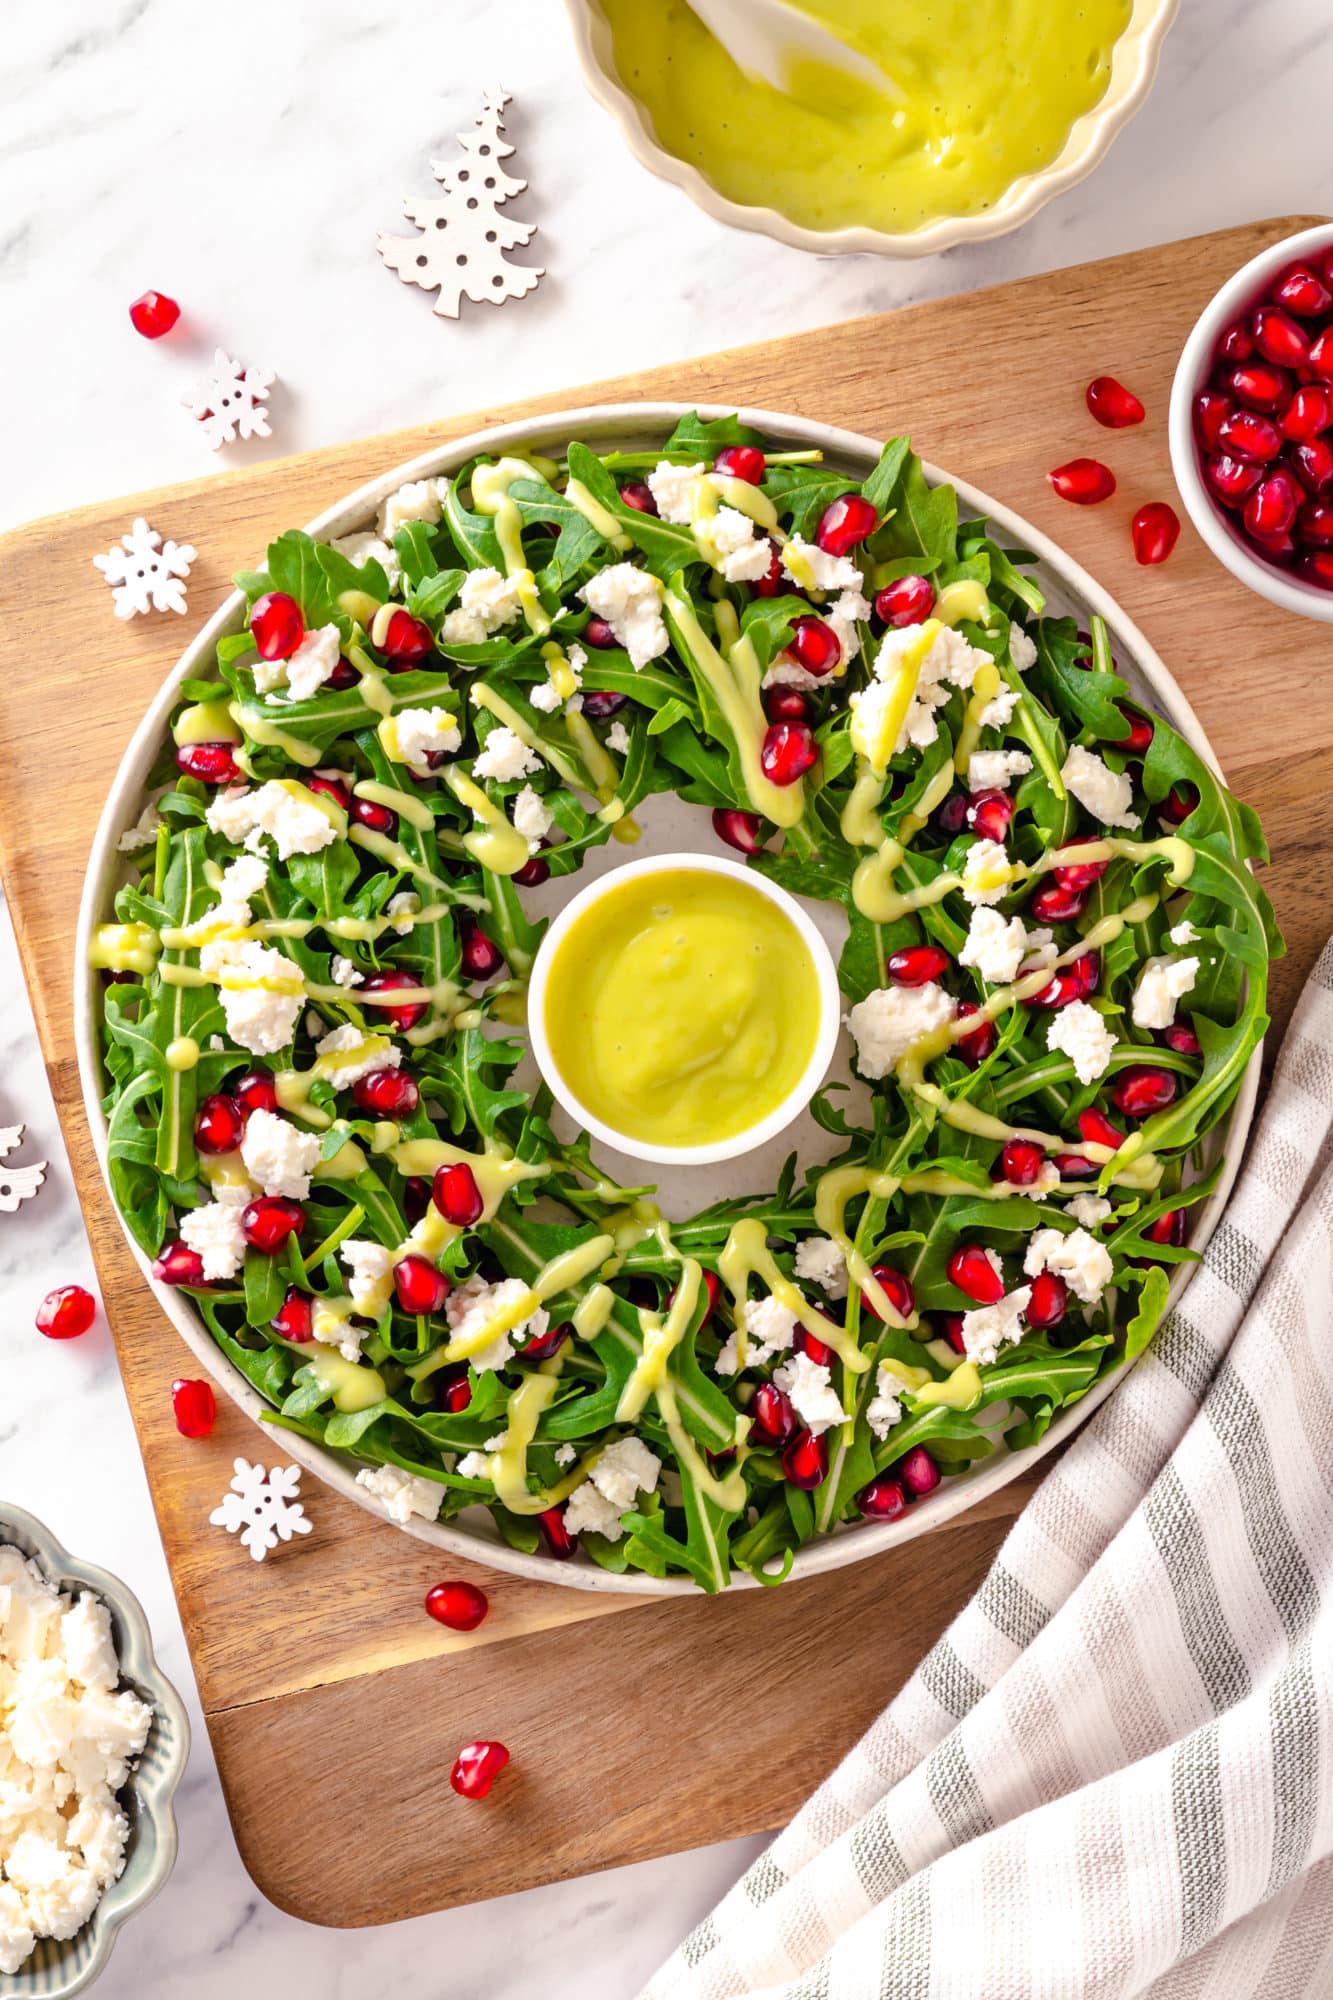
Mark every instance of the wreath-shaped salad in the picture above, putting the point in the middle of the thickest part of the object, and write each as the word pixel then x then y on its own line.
pixel 1054 976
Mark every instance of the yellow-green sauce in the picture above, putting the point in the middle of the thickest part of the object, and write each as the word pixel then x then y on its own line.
pixel 682 1007
pixel 988 90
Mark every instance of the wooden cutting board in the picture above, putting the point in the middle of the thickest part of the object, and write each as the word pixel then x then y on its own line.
pixel 335 1705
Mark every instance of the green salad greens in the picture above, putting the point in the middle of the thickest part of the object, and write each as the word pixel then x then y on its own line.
pixel 1055 975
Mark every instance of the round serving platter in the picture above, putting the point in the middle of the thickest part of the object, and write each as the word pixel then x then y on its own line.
pixel 634 426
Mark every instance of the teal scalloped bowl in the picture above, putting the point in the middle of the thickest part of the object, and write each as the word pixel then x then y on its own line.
pixel 57 1969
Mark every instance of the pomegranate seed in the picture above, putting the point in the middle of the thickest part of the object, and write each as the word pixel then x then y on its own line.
pixel 638 496
pixel 952 815
pixel 1054 905
pixel 814 646
pixel 1235 344
pixel 403 1014
pixel 1085 481
pixel 741 461
pixel 772 582
pixel 194 1407
pixel 1274 504
pixel 917 964
pixel 813 1347
pixel 476 1768
pixel 1021 1162
pixel 544 1345
pixel 153 314
pixel 1113 404
pixel 1317 568
pixel 738 829
pixel 560 1543
pixel 178 1265
pixel 918 1472
pixel 1062 991
pixel 1167 1228
pixel 971 1269
pixel 460 1606
pixel 1211 410
pixel 1178 804
pixel 953 1332
pixel 213 763
pixel 1140 732
pixel 896 1288
pixel 908 600
pixel 1314 524
pixel 420 1288
pixel 1309 412
pixel 255 1090
pixel 600 704
pixel 533 873
pixel 1182 1038
pixel 268 1222
pixel 1141 1090
pixel 805 1460
pixel 1278 336
pixel 1280 549
pixel 1076 1167
pixel 1155 530
pixel 453 1392
pixel 882 1500
pixel 375 817
pixel 416 1198
pixel 276 625
pixel 786 704
pixel 598 633
pixel 1079 874
pixel 218 1124
pixel 1231 479
pixel 846 523
pixel 330 788
pixel 1048 1301
pixel 406 639
pixel 1247 434
pixel 1087 970
pixel 1260 386
pixel 455 1193
pixel 974 1048
pixel 1313 460
pixel 789 751
pixel 1302 293
pixel 295 1318
pixel 344 675
pixel 989 814
pixel 482 957
pixel 1096 1129
pixel 66 1313
pixel 772 1418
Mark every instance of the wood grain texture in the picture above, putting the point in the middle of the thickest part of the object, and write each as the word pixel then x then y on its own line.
pixel 326 1689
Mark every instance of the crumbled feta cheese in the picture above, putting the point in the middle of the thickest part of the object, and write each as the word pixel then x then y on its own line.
pixel 1041 952
pixel 471 1305
pixel 844 615
pixel 474 1465
pixel 401 1494
pixel 370 1269
pixel 1162 982
pixel 819 1259
pixel 345 973
pixel 995 948
pixel 241 879
pixel 505 756
pixel 1105 793
pixel 770 1328
pixel 672 487
pixel 419 500
pixel 262 992
pixel 630 600
pixel 312 662
pixel 987 875
pixel 888 1021
pixel 994 770
pixel 786 672
pixel 531 818
pixel 625 1469
pixel 403 910
pixel 424 733
pixel 546 697
pixel 730 538
pixel 214 1232
pixel 617 739
pixel 1089 1209
pixel 143 833
pixel 1078 1258
pixel 986 1329
pixel 365 1052
pixel 1022 649
pixel 286 812
pixel 314 1024
pixel 565 1454
pixel 486 601
pixel 588 1512
pixel 278 1155
pixel 949 662
pixel 1183 933
pixel 367 547
pixel 813 1396
pixel 998 712
pixel 816 569
pixel 1080 1032
pixel 884 1409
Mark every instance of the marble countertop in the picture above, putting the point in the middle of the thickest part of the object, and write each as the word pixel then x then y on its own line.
pixel 246 171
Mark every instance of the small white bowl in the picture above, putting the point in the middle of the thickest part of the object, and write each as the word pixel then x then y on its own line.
pixel 792 1105
pixel 1213 522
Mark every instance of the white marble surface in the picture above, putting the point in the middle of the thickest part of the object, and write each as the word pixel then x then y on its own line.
pixel 242 161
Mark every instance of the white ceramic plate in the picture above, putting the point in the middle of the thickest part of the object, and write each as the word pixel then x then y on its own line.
pixel 1068 589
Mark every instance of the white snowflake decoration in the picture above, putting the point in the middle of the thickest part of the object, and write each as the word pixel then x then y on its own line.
pixel 16 1183
pixel 146 573
pixel 262 1507
pixel 462 248
pixel 229 401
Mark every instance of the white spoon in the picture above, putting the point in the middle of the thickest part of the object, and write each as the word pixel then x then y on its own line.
pixel 762 37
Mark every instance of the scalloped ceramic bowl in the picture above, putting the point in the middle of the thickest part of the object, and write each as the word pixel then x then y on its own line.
pixel 1068 588
pixel 59 1968
pixel 1133 68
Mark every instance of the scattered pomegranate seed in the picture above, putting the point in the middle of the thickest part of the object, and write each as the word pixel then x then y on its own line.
pixel 1181 1038
pixel 952 815
pixel 1076 1167
pixel 1211 410
pixel 1309 412
pixel 1248 434
pixel 805 1460
pixel 971 1269
pixel 1304 294
pixel 896 1288
pixel 1231 478
pixel 1079 874
pixel 416 1197
pixel 533 873
pixel 741 461
pixel 1167 1228
pixel 153 314
pixel 598 633
pixel 543 1345
pixel 953 1332
pixel 269 1220
pixel 219 1124
pixel 295 1318
pixel 1087 970
pixel 772 1418
pixel 1085 481
pixel 771 582
pixel 918 1472
pixel 789 750
pixel 908 600
pixel 375 817
pixel 1048 1301
pixel 455 1193
pixel 813 1347
pixel 917 964
pixel 1315 523
pixel 178 1265
pixel 846 523
pixel 882 1500
pixel 213 763
pixel 738 829
pixel 1062 990
pixel 1113 404
pixel 66 1313
pixel 635 494
pixel 402 1014
pixel 344 675
pixel 1277 335
pixel 1313 460
pixel 330 788
pixel 989 813
pixel 1178 804
pixel 786 704
pixel 1054 905
pixel 255 1090
pixel 1096 1129
pixel 476 1768
pixel 600 704
pixel 1317 568
pixel 973 1048
pixel 814 646
pixel 482 957
pixel 194 1407
pixel 419 1287
pixel 1260 386
pixel 1140 733
pixel 1021 1162
pixel 1235 344
pixel 1155 530
pixel 406 639
pixel 1321 357
pixel 1273 506
pixel 276 625
pixel 453 1393
pixel 1142 1090
pixel 460 1606
pixel 559 1542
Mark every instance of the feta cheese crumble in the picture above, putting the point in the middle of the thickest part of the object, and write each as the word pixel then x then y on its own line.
pixel 770 1328
pixel 214 1232
pixel 312 662
pixel 419 500
pixel 1162 982
pixel 1105 793
pixel 816 569
pixel 365 1053
pixel 672 487
pixel 819 1259
pixel 986 1329
pixel 1183 933
pixel 370 1269
pixel 884 1409
pixel 1080 1032
pixel 486 601
pixel 730 538
pixel 888 1021
pixel 283 811
pixel 366 546
pixel 345 973
pixel 262 992
pixel 995 770
pixel 625 1469
pixel 401 1494
pixel 1091 1210
pixel 278 1155
pixel 565 1454
pixel 987 874
pixel 809 1384
pixel 617 739
pixel 531 818
pixel 470 1306
pixel 403 910
pixel 143 833
pixel 999 710
pixel 630 600
pixel 1080 1259
pixel 588 1512
pixel 1022 649
pixel 504 757
pixel 996 949
pixel 424 733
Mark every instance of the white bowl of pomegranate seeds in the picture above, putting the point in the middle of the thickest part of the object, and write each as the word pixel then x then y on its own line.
pixel 1252 424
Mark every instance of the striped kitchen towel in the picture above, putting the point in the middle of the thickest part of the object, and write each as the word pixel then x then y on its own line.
pixel 1112 1775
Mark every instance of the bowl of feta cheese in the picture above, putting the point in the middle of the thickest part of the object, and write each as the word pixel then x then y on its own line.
pixel 93 1743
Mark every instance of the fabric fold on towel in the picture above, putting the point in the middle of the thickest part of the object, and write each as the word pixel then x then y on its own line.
pixel 1111 1776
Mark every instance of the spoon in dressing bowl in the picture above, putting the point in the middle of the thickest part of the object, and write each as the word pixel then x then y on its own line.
pixel 774 40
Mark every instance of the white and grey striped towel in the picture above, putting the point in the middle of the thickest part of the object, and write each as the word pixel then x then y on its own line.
pixel 1112 1775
